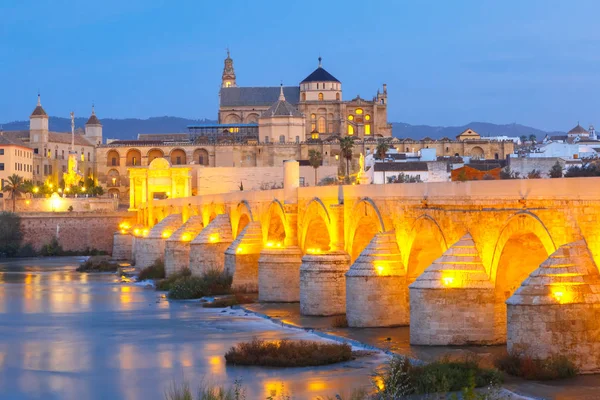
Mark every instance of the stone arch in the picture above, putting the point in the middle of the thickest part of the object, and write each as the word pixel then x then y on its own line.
pixel 276 229
pixel 175 153
pixel 154 154
pixel 523 244
pixel 113 178
pixel 365 224
pixel 245 216
pixel 252 118
pixel 426 243
pixel 133 157
pixel 520 224
pixel 113 193
pixel 477 153
pixel 316 226
pixel 201 156
pixel 233 119
pixel 113 159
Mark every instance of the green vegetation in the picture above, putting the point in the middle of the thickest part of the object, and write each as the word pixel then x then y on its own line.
pixel 287 353
pixel 346 147
pixel 534 174
pixel 10 233
pixel 154 271
pixel 556 171
pixel 167 283
pixel 233 300
pixel 98 264
pixel 402 377
pixel 558 367
pixel 315 159
pixel 381 150
pixel 15 186
pixel 586 170
pixel 507 173
pixel 210 284
pixel 54 249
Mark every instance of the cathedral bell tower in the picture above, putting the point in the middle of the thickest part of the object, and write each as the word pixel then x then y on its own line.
pixel 228 79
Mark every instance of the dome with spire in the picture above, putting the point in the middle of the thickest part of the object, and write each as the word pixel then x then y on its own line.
pixel 320 75
pixel 39 110
pixel 578 130
pixel 282 108
pixel 93 120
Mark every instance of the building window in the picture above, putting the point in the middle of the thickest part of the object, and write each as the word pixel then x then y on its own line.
pixel 227 84
pixel 266 139
pixel 281 139
pixel 82 157
pixel 1 152
pixel 178 160
pixel 322 125
pixel 134 161
pixel 320 96
pixel 350 117
pixel 496 156
pixel 50 169
pixel 358 111
pixel 297 139
pixel 37 169
pixel 64 167
pixel 350 130
pixel 314 135
pixel 303 96
pixel 337 96
pixel 330 127
pixel 1 166
pixel 313 116
pixel 367 129
pixel 36 151
pixel 56 154
pixel 89 156
pixel 114 161
pixel 367 117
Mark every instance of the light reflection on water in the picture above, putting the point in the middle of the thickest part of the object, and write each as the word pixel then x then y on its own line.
pixel 67 335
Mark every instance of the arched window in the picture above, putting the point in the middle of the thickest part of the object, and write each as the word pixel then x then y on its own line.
pixel 367 129
pixel 358 111
pixel 350 130
pixel 367 117
pixel 322 126
pixel 350 117
pixel 282 139
pixel 320 96
pixel 303 96
pixel 313 124
pixel 337 96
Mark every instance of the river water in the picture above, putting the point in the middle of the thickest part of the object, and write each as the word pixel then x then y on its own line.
pixel 66 335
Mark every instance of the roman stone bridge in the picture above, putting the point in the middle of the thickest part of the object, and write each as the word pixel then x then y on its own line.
pixel 446 258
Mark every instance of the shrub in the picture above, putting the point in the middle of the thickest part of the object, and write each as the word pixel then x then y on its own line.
pixel 210 284
pixel 237 298
pixel 154 271
pixel 10 233
pixel 556 171
pixel 287 353
pixel 401 377
pixel 27 250
pixel 534 174
pixel 557 367
pixel 217 282
pixel 98 264
pixel 52 249
pixel 167 283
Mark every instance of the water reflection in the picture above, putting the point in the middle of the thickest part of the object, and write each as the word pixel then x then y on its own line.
pixel 67 335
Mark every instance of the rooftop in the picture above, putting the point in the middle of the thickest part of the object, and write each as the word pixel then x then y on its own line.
pixel 257 96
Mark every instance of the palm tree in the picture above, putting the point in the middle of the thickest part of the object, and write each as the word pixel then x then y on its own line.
pixel 382 149
pixel 523 139
pixel 13 185
pixel 346 146
pixel 315 159
pixel 532 138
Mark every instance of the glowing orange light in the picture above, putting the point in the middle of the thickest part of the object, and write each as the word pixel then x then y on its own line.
pixel 166 234
pixel 28 202
pixel 36 189
pixel 123 231
pixel 270 244
pixel 186 237
pixel 448 280
pixel 145 232
pixel 380 269
pixel 239 249
pixel 136 231
pixel 278 244
pixel 214 237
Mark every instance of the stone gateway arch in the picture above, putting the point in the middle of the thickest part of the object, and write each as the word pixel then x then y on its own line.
pixel 447 258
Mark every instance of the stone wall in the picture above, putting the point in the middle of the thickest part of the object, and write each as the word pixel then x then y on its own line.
pixel 74 231
pixel 223 180
pixel 525 165
pixel 62 205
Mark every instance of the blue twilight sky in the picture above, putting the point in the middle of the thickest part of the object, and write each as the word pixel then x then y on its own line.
pixel 534 62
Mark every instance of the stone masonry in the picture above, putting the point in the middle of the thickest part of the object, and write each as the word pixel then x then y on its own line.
pixel 177 247
pixel 241 257
pixel 207 250
pixel 323 284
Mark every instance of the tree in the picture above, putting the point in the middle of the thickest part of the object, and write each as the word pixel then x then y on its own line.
pixel 534 174
pixel 556 171
pixel 382 149
pixel 532 138
pixel 14 186
pixel 507 173
pixel 315 159
pixel 346 146
pixel 523 139
pixel 10 233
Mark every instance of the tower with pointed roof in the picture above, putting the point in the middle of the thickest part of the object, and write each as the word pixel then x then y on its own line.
pixel 38 124
pixel 228 78
pixel 93 129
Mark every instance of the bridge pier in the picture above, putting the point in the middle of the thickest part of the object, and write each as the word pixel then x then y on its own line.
pixel 177 247
pixel 376 293
pixel 556 311
pixel 241 257
pixel 452 301
pixel 122 246
pixel 323 283
pixel 279 274
pixel 150 248
pixel 207 250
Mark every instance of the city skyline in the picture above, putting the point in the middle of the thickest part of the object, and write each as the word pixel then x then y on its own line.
pixel 446 65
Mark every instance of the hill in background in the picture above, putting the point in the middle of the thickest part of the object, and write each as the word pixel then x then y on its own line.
pixel 128 129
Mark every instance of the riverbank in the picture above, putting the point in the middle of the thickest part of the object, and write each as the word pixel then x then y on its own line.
pixel 396 341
